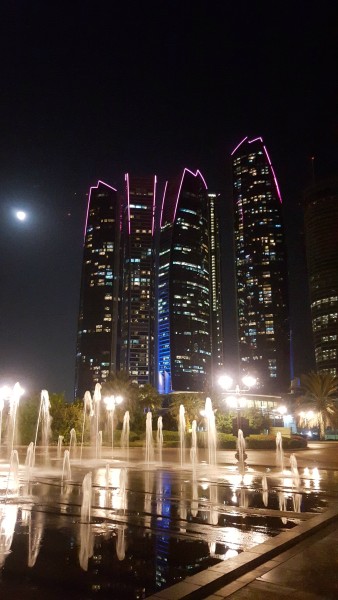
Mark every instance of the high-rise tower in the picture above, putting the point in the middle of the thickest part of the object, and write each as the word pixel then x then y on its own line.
pixel 321 239
pixel 184 315
pixel 97 328
pixel 260 267
pixel 216 286
pixel 137 298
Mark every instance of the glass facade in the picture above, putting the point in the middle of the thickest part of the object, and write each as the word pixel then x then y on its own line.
pixel 321 237
pixel 184 296
pixel 216 287
pixel 137 298
pixel 260 267
pixel 98 314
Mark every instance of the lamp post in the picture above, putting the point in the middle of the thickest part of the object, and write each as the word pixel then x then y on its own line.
pixel 111 402
pixel 236 400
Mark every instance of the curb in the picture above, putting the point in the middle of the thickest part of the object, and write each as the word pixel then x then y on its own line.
pixel 207 582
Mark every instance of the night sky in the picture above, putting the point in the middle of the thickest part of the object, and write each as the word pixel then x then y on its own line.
pixel 91 90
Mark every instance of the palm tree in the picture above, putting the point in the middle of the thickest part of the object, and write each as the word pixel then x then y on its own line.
pixel 320 391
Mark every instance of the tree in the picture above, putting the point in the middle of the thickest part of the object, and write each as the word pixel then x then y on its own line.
pixel 320 389
pixel 193 404
pixel 119 384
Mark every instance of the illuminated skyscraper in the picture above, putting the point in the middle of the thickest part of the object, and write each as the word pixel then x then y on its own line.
pixel 184 311
pixel 261 267
pixel 97 328
pixel 216 286
pixel 321 237
pixel 137 299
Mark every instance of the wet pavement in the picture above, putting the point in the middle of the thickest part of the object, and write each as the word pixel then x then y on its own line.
pixel 301 563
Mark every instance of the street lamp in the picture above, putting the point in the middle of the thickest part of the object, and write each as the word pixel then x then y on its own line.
pixel 111 402
pixel 236 400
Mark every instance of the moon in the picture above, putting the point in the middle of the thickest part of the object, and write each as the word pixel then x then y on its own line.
pixel 21 215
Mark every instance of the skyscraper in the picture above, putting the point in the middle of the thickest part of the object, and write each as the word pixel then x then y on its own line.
pixel 260 267
pixel 98 314
pixel 217 332
pixel 137 298
pixel 321 240
pixel 184 311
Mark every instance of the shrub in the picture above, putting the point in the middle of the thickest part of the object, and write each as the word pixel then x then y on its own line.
pixel 171 436
pixel 261 442
pixel 226 441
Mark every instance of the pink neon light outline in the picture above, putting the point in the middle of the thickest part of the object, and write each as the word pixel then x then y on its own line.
pixel 126 177
pixel 164 193
pixel 273 174
pixel 255 140
pixel 154 203
pixel 238 145
pixel 179 190
pixel 94 187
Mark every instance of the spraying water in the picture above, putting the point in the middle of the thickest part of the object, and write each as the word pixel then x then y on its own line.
pixel 29 462
pixel 159 438
pixel 279 451
pixel 13 473
pixel 59 447
pixel 86 506
pixel 14 401
pixel 211 431
pixel 72 444
pixel 193 449
pixel 241 455
pixel 125 433
pixel 149 438
pixel 87 408
pixel 96 420
pixel 265 493
pixel 66 471
pixel 45 419
pixel 294 470
pixel 181 430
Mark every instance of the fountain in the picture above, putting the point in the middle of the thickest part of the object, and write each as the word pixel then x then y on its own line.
pixel 72 444
pixel 86 506
pixel 181 430
pixel 130 503
pixel 265 493
pixel 149 438
pixel 279 451
pixel 59 446
pixel 125 434
pixel 294 471
pixel 45 419
pixel 14 403
pixel 159 438
pixel 211 431
pixel 241 454
pixel 96 420
pixel 66 471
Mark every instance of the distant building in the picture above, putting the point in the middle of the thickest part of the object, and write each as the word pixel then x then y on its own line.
pixel 321 240
pixel 217 333
pixel 150 292
pixel 138 279
pixel 260 267
pixel 98 313
pixel 184 293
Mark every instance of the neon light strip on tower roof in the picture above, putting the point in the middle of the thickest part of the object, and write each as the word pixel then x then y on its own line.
pixel 179 191
pixel 273 174
pixel 238 145
pixel 94 187
pixel 128 200
pixel 257 139
pixel 154 203
pixel 165 189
